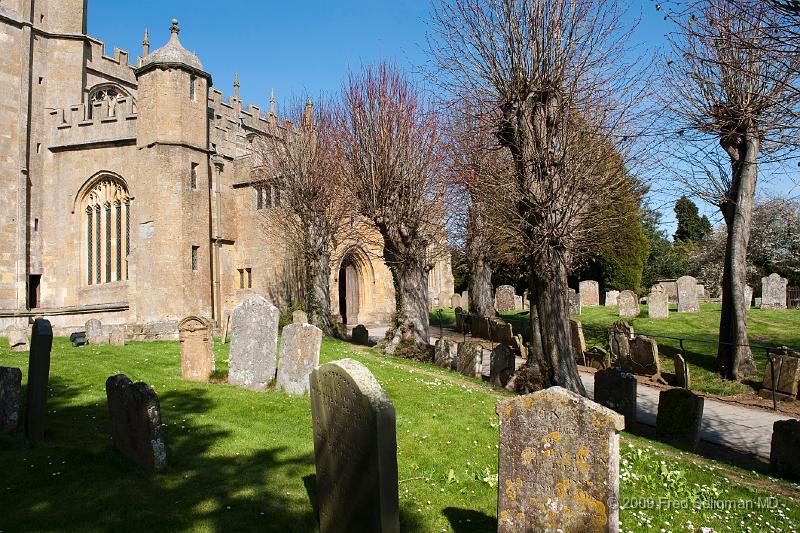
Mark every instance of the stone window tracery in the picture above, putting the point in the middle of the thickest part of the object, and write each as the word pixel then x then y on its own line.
pixel 106 208
pixel 104 93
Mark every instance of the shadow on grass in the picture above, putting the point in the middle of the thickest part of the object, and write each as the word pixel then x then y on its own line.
pixel 469 521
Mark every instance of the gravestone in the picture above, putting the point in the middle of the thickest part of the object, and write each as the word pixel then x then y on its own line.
pixel 786 363
pixel 701 291
pixel 38 377
pixel 300 344
pixel 116 336
pixel 444 299
pixel 519 347
pixel 628 304
pixel 500 331
pixel 597 358
pixel 680 414
pixel 226 328
pixel 455 301
pixel 578 341
pixel 687 295
pixel 468 357
pixel 611 298
pixel 10 395
pixel 683 376
pixel 480 326
pixel 459 312
pixel 504 298
pixel 299 317
pixel 96 334
pixel 518 303
pixel 573 302
pixel 670 286
pixel 360 335
pixel 757 302
pixel 658 304
pixel 17 338
pixel 643 358
pixel 773 292
pixel 620 335
pixel 617 390
pixel 748 296
pixel 355 450
pixel 136 428
pixel 502 364
pixel 465 301
pixel 444 353
pixel 558 464
pixel 197 349
pixel 784 456
pixel 254 338
pixel 589 292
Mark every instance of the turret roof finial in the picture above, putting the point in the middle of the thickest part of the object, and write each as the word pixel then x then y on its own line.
pixel 175 29
pixel 236 84
pixel 146 43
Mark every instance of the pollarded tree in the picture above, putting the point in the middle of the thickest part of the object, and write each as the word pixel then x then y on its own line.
pixel 730 91
pixel 390 151
pixel 551 78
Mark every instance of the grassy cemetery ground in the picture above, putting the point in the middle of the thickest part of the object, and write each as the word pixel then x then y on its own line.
pixel 770 328
pixel 242 460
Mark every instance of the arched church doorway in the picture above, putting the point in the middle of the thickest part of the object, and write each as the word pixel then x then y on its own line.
pixel 349 291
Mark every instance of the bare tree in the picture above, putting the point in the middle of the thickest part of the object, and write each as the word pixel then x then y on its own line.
pixel 391 155
pixel 296 158
pixel 730 92
pixel 552 78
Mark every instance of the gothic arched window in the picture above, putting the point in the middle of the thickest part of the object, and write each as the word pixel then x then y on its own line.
pixel 106 222
pixel 103 93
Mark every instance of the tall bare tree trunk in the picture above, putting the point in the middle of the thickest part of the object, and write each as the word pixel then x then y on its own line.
pixel 480 273
pixel 413 322
pixel 318 303
pixel 734 358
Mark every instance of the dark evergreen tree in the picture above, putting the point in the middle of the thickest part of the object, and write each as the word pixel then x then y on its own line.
pixel 691 228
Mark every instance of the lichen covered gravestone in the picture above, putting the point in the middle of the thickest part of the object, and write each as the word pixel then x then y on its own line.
pixel 504 298
pixel 617 390
pixel 628 304
pixel 443 353
pixel 468 358
pixel 360 335
pixel 254 342
pixel 197 349
pixel 786 363
pixel 10 395
pixel 589 292
pixel 784 456
pixel 573 302
pixel 558 464
pixel 96 334
pixel 773 292
pixel 300 344
pixel 502 364
pixel 116 336
pixel 687 295
pixel 620 335
pixel 17 338
pixel 680 414
pixel 38 378
pixel 136 423
pixel 611 298
pixel 299 317
pixel 643 359
pixel 355 450
pixel 658 304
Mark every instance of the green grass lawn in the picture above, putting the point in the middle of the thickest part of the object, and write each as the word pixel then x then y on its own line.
pixel 241 460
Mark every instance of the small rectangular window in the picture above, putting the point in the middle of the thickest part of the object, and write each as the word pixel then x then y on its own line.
pixel 41 80
pixel 241 278
pixel 192 80
pixel 193 176
pixel 194 257
pixel 249 278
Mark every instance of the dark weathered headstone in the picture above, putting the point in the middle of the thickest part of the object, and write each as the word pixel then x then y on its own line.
pixel 360 335
pixel 786 364
pixel 355 450
pixel 504 298
pixel 617 390
pixel 10 395
pixel 254 343
pixel 558 464
pixel 596 357
pixel 784 456
pixel 643 358
pixel 468 358
pixel 299 317
pixel 589 292
pixel 136 423
pixel 773 292
pixel 300 345
pixel 578 341
pixel 680 414
pixel 611 298
pixel 38 377
pixel 444 353
pixel 17 338
pixel 620 335
pixel 502 364
pixel 683 377
pixel 459 312
pixel 687 295
pixel 573 302
pixel 197 349
pixel 628 304
pixel 479 326
pixel 500 331
pixel 96 334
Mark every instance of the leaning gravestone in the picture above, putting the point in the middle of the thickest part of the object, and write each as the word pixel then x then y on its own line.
pixel 38 377
pixel 197 349
pixel 299 317
pixel 578 341
pixel 17 338
pixel 683 376
pixel 773 292
pixel 300 344
pixel 687 295
pixel 658 304
pixel 443 353
pixel 643 358
pixel 680 414
pixel 748 296
pixel 254 342
pixel 226 328
pixel 360 335
pixel 136 423
pixel 355 450
pixel 468 357
pixel 504 298
pixel 96 334
pixel 502 364
pixel 611 298
pixel 785 448
pixel 628 304
pixel 786 363
pixel 558 464
pixel 589 292
pixel 617 390
pixel 10 394
pixel 573 302
pixel 455 301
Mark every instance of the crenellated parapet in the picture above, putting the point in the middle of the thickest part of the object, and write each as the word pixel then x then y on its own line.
pixel 116 67
pixel 104 122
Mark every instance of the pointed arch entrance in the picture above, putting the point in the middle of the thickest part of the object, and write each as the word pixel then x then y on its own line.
pixel 354 282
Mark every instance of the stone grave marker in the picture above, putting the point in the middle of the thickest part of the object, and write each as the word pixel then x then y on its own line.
pixel 444 353
pixel 558 464
pixel 670 286
pixel 197 349
pixel 628 304
pixel 502 365
pixel 617 390
pixel 465 300
pixel 701 291
pixel 773 292
pixel 787 375
pixel 500 331
pixel 573 302
pixel 116 336
pixel 748 296
pixel 136 428
pixel 38 377
pixel 300 344
pixel 355 450
pixel 784 456
pixel 680 414
pixel 254 343
pixel 620 335
pixel 643 359
pixel 10 395
pixel 757 302
pixel 578 341
pixel 597 358
pixel 683 376
pixel 299 317
pixel 611 298
pixel 468 357
pixel 360 335
pixel 480 326
pixel 658 304
pixel 455 301
pixel 589 292
pixel 444 299
pixel 504 298
pixel 687 295
pixel 519 305
pixel 17 338
pixel 459 312
pixel 96 334
pixel 226 328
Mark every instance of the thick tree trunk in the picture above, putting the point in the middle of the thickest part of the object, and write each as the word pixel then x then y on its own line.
pixel 318 302
pixel 535 348
pixel 481 300
pixel 413 323
pixel 734 358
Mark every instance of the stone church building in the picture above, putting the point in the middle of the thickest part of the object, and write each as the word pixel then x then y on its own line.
pixel 127 192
